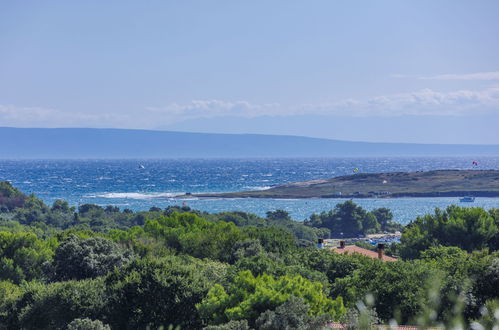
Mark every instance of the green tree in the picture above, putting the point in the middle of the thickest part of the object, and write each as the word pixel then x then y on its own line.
pixel 249 296
pixel 80 258
pixel 278 216
pixel 346 220
pixel 87 324
pixel 241 218
pixel 156 293
pixel 55 305
pixel 398 287
pixel 9 295
pixel 10 197
pixel 291 315
pixel 467 228
pixel 384 217
pixel 276 240
pixel 23 255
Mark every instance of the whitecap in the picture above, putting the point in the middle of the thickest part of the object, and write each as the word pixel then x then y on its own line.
pixel 257 187
pixel 135 195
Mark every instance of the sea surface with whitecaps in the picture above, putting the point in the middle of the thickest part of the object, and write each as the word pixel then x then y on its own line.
pixel 141 184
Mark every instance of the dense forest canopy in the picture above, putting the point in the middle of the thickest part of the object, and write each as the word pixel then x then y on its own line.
pixel 94 267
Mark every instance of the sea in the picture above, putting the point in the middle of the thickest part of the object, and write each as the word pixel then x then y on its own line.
pixel 140 184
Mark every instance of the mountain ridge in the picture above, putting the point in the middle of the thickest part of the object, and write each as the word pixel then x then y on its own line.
pixel 69 143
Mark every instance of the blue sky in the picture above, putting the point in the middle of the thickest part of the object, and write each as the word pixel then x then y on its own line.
pixel 395 71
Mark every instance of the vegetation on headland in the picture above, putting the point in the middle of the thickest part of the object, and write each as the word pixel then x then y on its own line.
pixel 96 267
pixel 440 183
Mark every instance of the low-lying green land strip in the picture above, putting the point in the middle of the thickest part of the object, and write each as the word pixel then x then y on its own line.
pixel 479 183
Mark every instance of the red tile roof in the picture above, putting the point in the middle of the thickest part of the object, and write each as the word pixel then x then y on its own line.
pixel 351 249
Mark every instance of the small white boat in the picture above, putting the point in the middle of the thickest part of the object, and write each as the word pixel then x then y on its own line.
pixel 141 166
pixel 467 199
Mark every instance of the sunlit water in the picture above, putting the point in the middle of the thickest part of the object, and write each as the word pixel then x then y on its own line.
pixel 126 184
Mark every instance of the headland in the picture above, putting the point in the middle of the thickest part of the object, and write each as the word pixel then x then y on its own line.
pixel 439 183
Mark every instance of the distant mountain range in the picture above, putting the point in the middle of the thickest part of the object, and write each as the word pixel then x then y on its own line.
pixel 70 143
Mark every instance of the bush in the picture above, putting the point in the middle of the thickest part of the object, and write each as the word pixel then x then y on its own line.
pixel 87 324
pixel 79 258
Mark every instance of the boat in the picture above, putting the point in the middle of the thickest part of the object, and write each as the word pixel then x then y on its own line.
pixel 141 166
pixel 467 199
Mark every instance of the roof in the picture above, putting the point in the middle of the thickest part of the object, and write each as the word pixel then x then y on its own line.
pixel 351 249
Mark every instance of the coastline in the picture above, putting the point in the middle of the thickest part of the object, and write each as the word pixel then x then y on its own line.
pixel 438 183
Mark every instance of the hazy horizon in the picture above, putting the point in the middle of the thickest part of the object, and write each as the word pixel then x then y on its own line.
pixel 384 71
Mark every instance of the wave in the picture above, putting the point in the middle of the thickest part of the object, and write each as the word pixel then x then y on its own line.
pixel 257 187
pixel 134 195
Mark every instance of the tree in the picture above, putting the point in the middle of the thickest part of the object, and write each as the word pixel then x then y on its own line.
pixel 241 218
pixel 9 295
pixel 87 324
pixel 249 296
pixel 246 249
pixel 80 258
pixel 397 287
pixel 272 239
pixel 467 228
pixel 22 256
pixel 278 215
pixel 10 197
pixel 346 220
pixel 55 305
pixel 152 293
pixel 384 217
pixel 291 315
pixel 231 325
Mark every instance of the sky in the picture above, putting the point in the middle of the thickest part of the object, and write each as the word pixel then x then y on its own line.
pixel 383 71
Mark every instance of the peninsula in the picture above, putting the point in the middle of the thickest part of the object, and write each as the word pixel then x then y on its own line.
pixel 439 183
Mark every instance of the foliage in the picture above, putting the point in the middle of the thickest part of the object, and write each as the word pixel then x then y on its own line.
pixel 397 287
pixel 272 239
pixel 153 292
pixel 23 255
pixel 384 217
pixel 233 270
pixel 79 258
pixel 241 218
pixel 9 294
pixel 53 306
pixel 475 274
pixel 291 315
pixel 10 197
pixel 467 228
pixel 249 296
pixel 346 220
pixel 231 325
pixel 87 324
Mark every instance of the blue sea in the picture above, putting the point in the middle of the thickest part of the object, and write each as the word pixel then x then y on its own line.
pixel 140 184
